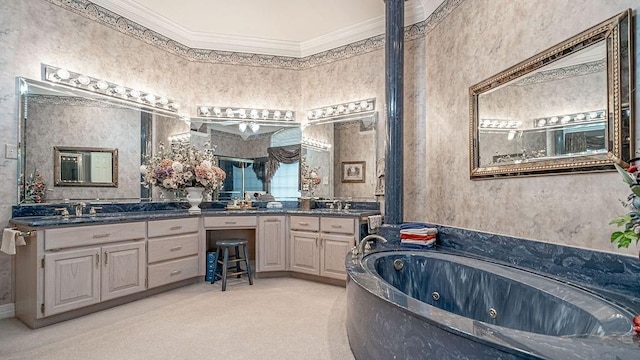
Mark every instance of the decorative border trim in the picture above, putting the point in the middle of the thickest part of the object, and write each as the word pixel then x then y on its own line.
pixel 566 72
pixel 114 21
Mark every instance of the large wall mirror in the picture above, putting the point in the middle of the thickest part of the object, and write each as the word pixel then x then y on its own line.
pixel 61 127
pixel 85 145
pixel 333 145
pixel 261 160
pixel 567 109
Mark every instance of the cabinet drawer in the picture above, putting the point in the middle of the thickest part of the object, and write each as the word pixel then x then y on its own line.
pixel 92 235
pixel 230 221
pixel 172 271
pixel 172 247
pixel 171 227
pixel 308 223
pixel 337 225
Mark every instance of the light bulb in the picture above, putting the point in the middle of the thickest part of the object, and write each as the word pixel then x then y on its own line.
pixel 254 114
pixel 242 126
pixel 265 114
pixel 254 127
pixel 102 85
pixel 217 111
pixel 277 114
pixel 84 80
pixel 204 110
pixel 288 115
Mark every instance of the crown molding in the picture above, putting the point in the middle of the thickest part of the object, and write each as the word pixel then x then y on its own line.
pixel 116 21
pixel 210 41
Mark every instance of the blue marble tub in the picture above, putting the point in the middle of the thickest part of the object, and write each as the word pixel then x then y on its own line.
pixel 431 304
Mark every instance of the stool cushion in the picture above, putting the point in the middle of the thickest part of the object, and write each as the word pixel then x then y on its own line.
pixel 231 242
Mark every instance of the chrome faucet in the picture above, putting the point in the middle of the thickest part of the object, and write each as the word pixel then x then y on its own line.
pixel 363 245
pixel 79 207
pixel 338 204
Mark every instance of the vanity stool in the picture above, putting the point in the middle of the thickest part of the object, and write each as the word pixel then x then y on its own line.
pixel 224 263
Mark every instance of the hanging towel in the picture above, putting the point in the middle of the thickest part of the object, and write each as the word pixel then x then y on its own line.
pixel 374 222
pixel 10 239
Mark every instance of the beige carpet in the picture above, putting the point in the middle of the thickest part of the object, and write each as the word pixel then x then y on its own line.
pixel 277 318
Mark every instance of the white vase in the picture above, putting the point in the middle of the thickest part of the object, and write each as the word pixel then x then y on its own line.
pixel 194 196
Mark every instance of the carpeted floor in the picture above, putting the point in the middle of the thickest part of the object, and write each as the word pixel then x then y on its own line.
pixel 276 318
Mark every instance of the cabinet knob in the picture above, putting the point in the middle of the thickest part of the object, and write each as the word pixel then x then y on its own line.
pixel 176 272
pixel 100 236
pixel 176 227
pixel 176 248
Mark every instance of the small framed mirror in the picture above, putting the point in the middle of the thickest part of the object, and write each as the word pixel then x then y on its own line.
pixel 85 166
pixel 567 109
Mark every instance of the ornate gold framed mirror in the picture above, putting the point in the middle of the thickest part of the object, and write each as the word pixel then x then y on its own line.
pixel 567 109
pixel 85 166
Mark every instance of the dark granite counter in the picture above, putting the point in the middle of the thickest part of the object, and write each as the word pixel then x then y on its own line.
pixel 131 216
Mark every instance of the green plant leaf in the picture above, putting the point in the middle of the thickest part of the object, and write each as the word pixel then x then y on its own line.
pixel 624 238
pixel 621 220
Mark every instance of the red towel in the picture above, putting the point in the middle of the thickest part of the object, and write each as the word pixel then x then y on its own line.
pixel 417 237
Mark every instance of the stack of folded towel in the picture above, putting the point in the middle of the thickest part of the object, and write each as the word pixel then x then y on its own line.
pixel 417 235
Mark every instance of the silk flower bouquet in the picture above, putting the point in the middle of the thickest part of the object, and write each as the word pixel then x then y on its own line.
pixel 181 166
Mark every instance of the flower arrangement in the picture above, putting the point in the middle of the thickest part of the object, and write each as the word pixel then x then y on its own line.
pixel 181 166
pixel 309 176
pixel 35 188
pixel 631 220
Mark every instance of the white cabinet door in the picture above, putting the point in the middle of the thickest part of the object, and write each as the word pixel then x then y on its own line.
pixel 333 251
pixel 304 252
pixel 271 243
pixel 123 270
pixel 72 280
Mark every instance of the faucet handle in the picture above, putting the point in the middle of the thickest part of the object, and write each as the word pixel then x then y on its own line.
pixel 63 211
pixel 347 206
pixel 92 210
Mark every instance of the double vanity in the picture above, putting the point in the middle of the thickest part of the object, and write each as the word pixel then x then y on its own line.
pixel 71 266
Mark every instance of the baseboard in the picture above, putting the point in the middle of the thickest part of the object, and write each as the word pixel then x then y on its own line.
pixel 7 311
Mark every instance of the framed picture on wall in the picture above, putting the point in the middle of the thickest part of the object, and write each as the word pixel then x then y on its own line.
pixel 353 171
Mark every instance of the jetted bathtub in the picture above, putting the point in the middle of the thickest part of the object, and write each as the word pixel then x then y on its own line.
pixel 430 304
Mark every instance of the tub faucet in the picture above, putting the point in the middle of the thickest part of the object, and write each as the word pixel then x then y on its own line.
pixel 363 245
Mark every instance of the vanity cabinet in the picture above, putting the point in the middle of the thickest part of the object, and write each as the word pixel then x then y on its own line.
pixel 304 248
pixel 271 242
pixel 173 250
pixel 319 244
pixel 114 265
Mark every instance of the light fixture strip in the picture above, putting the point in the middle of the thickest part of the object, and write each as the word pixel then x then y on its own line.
pixel 577 118
pixel 227 112
pixel 499 124
pixel 77 80
pixel 343 109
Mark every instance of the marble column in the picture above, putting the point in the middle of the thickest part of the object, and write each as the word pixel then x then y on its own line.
pixel 394 52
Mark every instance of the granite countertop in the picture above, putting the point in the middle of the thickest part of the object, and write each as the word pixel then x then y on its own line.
pixel 131 216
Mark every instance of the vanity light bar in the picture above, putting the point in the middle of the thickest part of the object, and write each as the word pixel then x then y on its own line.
pixel 66 77
pixel 344 109
pixel 225 112
pixel 576 118
pixel 499 124
pixel 313 143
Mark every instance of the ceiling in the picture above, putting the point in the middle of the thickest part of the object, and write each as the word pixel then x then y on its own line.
pixel 296 28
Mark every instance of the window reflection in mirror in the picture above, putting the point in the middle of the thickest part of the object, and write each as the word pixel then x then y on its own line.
pixel 243 153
